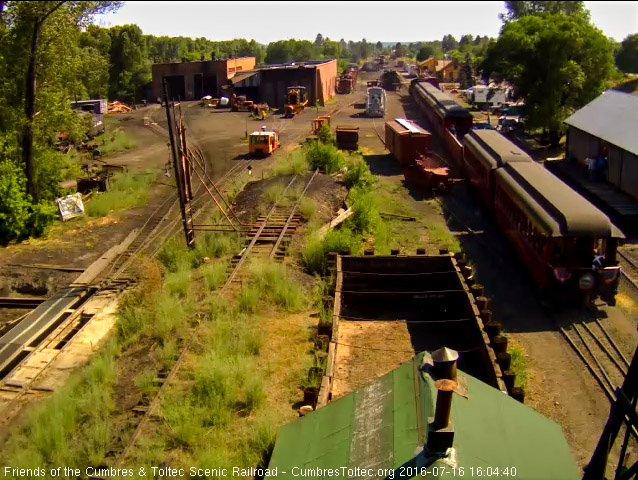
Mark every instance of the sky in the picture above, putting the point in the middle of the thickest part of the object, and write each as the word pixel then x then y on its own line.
pixel 375 21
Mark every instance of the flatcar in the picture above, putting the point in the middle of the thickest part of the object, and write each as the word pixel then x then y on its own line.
pixel 442 111
pixel 566 243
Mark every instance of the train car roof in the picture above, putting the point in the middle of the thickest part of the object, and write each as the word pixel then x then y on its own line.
pixel 443 101
pixel 554 204
pixel 402 126
pixel 494 148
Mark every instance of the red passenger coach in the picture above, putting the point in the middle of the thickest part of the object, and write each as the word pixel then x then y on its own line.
pixel 483 152
pixel 568 245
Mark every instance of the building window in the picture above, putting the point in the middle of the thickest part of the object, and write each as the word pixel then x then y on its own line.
pixel 231 70
pixel 239 69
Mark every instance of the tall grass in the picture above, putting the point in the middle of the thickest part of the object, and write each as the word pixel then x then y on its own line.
pixel 214 274
pixel 273 193
pixel 307 208
pixel 216 244
pixel 519 366
pixel 117 141
pixel 175 256
pixel 69 428
pixel 293 164
pixel 126 190
pixel 273 281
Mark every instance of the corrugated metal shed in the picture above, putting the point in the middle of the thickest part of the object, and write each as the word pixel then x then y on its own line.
pixel 380 426
pixel 612 117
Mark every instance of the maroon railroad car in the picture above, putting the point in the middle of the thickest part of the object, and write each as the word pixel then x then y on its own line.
pixel 406 140
pixel 442 111
pixel 484 151
pixel 567 244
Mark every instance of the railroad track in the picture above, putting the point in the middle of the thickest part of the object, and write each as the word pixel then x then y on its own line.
pixel 270 237
pixel 164 222
pixel 628 269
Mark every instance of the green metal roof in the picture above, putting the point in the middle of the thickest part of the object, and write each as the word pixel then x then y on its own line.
pixel 378 427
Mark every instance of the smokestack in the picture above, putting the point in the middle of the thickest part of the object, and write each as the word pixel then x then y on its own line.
pixel 445 363
pixel 440 429
pixel 443 403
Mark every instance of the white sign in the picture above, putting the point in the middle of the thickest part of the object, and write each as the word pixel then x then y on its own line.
pixel 70 206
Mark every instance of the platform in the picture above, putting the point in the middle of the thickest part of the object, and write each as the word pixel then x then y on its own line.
pixel 621 208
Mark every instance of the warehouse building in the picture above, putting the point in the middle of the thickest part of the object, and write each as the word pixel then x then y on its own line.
pixel 193 80
pixel 268 83
pixel 610 123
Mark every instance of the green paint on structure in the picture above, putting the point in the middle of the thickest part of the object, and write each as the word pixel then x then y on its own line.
pixel 376 427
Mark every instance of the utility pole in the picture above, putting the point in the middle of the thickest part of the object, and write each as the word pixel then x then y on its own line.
pixel 180 166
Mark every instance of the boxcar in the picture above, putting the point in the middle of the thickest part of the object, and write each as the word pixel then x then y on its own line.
pixel 406 140
pixel 483 152
pixel 567 244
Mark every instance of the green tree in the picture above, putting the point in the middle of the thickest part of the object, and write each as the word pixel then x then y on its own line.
pixel 130 68
pixel 557 63
pixel 319 40
pixel 466 74
pixel 378 46
pixel 400 50
pixel 518 9
pixel 449 43
pixel 627 55
pixel 425 52
pixel 364 49
pixel 29 23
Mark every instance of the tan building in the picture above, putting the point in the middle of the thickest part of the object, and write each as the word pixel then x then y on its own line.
pixel 429 65
pixel 448 70
pixel 193 80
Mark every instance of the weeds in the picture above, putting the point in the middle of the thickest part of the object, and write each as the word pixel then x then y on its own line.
pixel 117 141
pixel 144 382
pixel 315 252
pixel 273 193
pixel 519 366
pixel 358 174
pixel 325 134
pixel 174 256
pixel 216 244
pixel 248 298
pixel 126 190
pixel 178 283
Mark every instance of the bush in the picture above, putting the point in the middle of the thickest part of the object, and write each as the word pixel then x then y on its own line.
pixel 325 134
pixel 365 216
pixel 359 175
pixel 315 252
pixel 14 202
pixel 324 156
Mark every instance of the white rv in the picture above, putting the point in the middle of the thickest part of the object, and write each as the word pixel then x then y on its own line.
pixel 375 102
pixel 488 97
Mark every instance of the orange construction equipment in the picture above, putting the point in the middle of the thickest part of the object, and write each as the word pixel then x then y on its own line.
pixel 296 101
pixel 318 122
pixel 239 103
pixel 263 143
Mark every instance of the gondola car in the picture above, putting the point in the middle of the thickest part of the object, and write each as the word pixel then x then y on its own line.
pixel 567 244
pixel 484 151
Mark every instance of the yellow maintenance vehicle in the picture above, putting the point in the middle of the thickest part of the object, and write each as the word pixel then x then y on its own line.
pixel 296 101
pixel 263 143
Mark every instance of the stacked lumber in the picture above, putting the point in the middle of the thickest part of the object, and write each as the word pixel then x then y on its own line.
pixel 118 107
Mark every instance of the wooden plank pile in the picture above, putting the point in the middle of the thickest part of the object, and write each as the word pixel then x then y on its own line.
pixel 118 107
